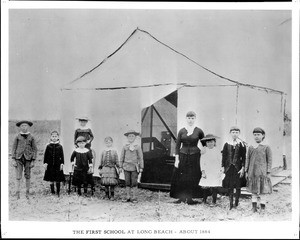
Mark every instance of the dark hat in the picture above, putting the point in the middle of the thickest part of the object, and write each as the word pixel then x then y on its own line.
pixel 190 114
pixel 259 130
pixel 207 138
pixel 80 139
pixel 24 121
pixel 131 132
pixel 83 119
pixel 234 128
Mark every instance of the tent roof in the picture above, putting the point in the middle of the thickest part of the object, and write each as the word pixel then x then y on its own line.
pixel 143 61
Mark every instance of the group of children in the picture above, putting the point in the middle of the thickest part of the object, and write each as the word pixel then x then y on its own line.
pixel 239 168
pixel 131 161
pixel 236 164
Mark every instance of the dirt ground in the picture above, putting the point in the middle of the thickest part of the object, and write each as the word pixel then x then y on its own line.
pixel 153 206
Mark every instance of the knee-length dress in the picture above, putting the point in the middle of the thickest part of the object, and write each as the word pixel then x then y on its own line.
pixel 233 159
pixel 185 178
pixel 108 167
pixel 54 157
pixel 258 164
pixel 83 160
pixel 211 164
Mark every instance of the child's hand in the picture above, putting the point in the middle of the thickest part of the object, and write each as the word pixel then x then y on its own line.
pixel 61 167
pixel 32 164
pixel 15 163
pixel 176 164
pixel 45 166
pixel 246 175
pixel 241 172
pixel 203 174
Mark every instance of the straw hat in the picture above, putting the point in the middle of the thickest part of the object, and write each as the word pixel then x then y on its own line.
pixel 80 139
pixel 207 138
pixel 83 119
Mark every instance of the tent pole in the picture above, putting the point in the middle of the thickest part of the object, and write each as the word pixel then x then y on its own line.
pixel 143 118
pixel 151 125
pixel 161 119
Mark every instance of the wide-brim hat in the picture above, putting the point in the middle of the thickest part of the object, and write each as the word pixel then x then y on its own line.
pixel 80 139
pixel 24 121
pixel 131 132
pixel 208 137
pixel 83 118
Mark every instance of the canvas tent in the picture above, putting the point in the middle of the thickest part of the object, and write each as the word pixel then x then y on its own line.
pixel 143 72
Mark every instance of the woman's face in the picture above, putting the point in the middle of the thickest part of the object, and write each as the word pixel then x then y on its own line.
pixel 210 144
pixel 190 120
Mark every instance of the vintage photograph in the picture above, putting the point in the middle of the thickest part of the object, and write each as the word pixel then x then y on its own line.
pixel 163 117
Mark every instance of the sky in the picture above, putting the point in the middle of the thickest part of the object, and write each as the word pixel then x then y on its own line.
pixel 49 48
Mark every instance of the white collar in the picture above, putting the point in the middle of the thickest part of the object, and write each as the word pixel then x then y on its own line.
pixel 54 142
pixel 255 145
pixel 24 133
pixel 83 128
pixel 190 129
pixel 131 146
pixel 109 149
pixel 83 150
pixel 233 143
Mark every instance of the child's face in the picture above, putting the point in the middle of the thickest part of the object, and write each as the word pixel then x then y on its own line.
pixel 81 144
pixel 83 123
pixel 54 137
pixel 258 137
pixel 234 134
pixel 190 120
pixel 131 138
pixel 24 127
pixel 108 143
pixel 210 144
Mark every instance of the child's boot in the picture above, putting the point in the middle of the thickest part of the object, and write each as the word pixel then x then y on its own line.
pixel 254 207
pixel 230 199
pixel 134 191
pixel 204 195
pixel 237 197
pixel 112 194
pixel 106 192
pixel 262 208
pixel 214 196
pixel 127 195
pixel 52 188
pixel 18 189
pixel 58 188
pixel 27 188
pixel 79 190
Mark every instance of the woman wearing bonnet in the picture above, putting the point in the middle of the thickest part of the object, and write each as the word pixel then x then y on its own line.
pixel 187 172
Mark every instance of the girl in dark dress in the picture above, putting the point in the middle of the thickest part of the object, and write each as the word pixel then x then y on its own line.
pixel 233 163
pixel 187 172
pixel 84 131
pixel 81 159
pixel 54 163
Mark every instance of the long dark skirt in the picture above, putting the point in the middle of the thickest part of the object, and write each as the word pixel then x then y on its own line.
pixel 185 178
pixel 54 175
pixel 232 179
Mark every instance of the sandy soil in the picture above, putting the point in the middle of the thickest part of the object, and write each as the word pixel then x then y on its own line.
pixel 153 206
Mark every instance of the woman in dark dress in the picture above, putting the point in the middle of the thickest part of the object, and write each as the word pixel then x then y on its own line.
pixel 233 163
pixel 187 172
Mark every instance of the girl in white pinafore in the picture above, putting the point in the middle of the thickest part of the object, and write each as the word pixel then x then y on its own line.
pixel 211 161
